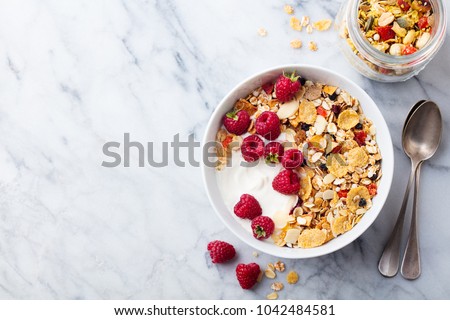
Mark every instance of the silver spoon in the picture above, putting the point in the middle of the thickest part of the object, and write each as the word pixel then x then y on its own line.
pixel 389 261
pixel 423 143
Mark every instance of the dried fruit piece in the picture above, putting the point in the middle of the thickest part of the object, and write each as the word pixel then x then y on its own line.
pixel 292 277
pixel 355 195
pixel 386 33
pixel 311 238
pixel 348 119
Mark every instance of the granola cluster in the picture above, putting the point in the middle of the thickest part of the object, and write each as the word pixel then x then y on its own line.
pixel 396 27
pixel 342 166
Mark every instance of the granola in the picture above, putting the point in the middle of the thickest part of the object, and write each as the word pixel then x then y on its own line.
pixel 396 27
pixel 342 162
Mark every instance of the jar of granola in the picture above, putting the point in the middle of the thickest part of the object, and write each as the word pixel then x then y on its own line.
pixel 391 40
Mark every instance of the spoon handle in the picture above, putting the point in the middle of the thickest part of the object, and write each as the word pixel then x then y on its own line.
pixel 410 268
pixel 390 259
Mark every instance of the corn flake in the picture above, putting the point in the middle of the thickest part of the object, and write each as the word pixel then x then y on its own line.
pixel 243 104
pixel 336 165
pixel 307 112
pixel 339 225
pixel 347 119
pixel 322 25
pixel 357 157
pixel 296 44
pixel 288 9
pixel 311 238
pixel 295 24
pixel 305 187
pixel 292 277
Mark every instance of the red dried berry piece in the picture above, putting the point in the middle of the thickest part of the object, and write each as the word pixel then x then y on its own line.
pixel 286 182
pixel 360 137
pixel 247 274
pixel 221 251
pixel 336 149
pixel 423 22
pixel 342 193
pixel 286 86
pixel 268 125
pixel 336 109
pixel 293 158
pixel 227 141
pixel 322 112
pixel 404 4
pixel 247 207
pixel 262 227
pixel 372 189
pixel 273 152
pixel 237 122
pixel 386 33
pixel 268 87
pixel 409 49
pixel 252 148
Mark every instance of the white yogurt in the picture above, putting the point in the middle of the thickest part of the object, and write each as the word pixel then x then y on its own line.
pixel 238 179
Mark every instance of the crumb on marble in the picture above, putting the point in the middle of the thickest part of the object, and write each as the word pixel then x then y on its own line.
pixel 312 46
pixel 288 9
pixel 262 32
pixel 296 44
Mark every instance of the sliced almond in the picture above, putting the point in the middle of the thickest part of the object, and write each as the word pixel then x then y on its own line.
pixel 292 235
pixel 270 274
pixel 287 109
pixel 320 124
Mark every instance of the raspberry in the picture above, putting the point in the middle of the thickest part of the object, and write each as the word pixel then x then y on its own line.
pixel 268 87
pixel 247 274
pixel 386 33
pixel 286 182
pixel 262 227
pixel 273 152
pixel 286 87
pixel 293 158
pixel 247 207
pixel 252 148
pixel 237 123
pixel 268 125
pixel 220 251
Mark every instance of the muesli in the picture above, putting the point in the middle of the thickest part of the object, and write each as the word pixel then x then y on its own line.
pixel 320 152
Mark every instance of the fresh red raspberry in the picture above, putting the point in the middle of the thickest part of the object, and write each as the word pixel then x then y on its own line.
pixel 268 125
pixel 247 207
pixel 286 86
pixel 273 152
pixel 247 274
pixel 237 122
pixel 386 33
pixel 293 158
pixel 268 87
pixel 252 148
pixel 221 251
pixel 286 182
pixel 262 227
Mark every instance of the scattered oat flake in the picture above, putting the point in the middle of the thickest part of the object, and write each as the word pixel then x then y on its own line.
pixel 295 24
pixel 279 266
pixel 255 254
pixel 277 286
pixel 288 9
pixel 296 44
pixel 292 277
pixel 312 46
pixel 309 29
pixel 322 25
pixel 272 296
pixel 262 32
pixel 305 21
pixel 270 274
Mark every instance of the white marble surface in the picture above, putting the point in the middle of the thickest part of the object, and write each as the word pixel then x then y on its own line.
pixel 76 74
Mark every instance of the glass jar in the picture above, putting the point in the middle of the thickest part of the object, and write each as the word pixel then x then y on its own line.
pixel 376 64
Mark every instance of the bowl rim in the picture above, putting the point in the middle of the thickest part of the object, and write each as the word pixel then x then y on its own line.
pixel 388 168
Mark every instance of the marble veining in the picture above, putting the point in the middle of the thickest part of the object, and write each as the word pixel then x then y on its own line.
pixel 77 74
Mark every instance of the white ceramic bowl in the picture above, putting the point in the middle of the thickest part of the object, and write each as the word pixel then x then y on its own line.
pixel 383 138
